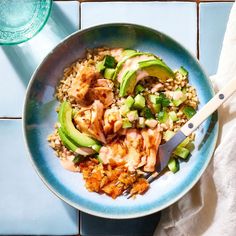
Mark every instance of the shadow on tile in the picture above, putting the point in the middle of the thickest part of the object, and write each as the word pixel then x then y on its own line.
pixel 27 56
pixel 71 214
pixel 96 226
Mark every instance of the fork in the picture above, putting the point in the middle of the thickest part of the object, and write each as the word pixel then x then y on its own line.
pixel 165 150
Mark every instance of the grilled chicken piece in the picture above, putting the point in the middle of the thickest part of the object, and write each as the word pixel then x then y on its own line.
pixel 103 83
pixel 115 151
pixel 89 121
pixel 112 121
pixel 134 143
pixel 103 94
pixel 151 142
pixel 80 85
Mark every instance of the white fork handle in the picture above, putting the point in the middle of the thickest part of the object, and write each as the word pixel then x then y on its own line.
pixel 209 108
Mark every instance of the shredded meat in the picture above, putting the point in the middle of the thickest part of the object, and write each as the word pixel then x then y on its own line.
pixel 89 121
pixel 81 83
pixel 151 142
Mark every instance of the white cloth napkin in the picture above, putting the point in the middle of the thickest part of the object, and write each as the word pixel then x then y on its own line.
pixel 210 207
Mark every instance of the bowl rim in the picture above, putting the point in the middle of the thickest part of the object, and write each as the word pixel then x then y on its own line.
pixel 84 209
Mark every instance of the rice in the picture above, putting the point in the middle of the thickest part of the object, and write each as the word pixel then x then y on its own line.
pixel 114 178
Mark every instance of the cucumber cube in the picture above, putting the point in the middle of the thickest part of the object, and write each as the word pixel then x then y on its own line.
pixel 108 73
pixel 139 102
pixel 173 116
pixel 162 116
pixel 126 123
pixel 129 102
pixel 181 152
pixel 173 165
pixel 124 110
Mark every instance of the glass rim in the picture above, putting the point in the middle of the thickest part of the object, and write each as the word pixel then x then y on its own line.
pixel 25 39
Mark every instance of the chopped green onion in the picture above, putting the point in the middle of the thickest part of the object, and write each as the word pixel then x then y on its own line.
pixel 109 61
pixel 147 113
pixel 189 112
pixel 163 100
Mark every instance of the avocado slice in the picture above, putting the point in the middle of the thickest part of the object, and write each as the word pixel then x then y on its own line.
pixel 128 83
pixel 156 68
pixel 121 63
pixel 130 54
pixel 153 67
pixel 68 128
pixel 70 145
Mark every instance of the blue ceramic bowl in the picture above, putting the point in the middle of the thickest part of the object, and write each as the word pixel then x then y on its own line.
pixel 40 117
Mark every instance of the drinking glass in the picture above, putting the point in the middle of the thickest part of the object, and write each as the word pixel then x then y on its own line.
pixel 20 20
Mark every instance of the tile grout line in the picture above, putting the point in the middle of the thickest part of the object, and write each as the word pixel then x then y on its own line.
pixel 10 118
pixel 80 15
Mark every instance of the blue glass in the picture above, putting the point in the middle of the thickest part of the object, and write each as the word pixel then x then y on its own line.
pixel 20 20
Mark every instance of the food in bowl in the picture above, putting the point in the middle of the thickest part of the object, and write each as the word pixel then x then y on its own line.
pixel 116 107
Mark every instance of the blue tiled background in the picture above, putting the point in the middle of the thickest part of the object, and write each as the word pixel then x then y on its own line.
pixel 26 205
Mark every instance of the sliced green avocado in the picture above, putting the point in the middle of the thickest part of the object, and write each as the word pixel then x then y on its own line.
pixel 154 67
pixel 68 128
pixel 70 145
pixel 128 83
pixel 128 55
pixel 128 52
pixel 120 63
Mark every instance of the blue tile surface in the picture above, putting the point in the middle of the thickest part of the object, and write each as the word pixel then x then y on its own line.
pixel 160 16
pixel 17 63
pixel 213 21
pixel 177 19
pixel 26 205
